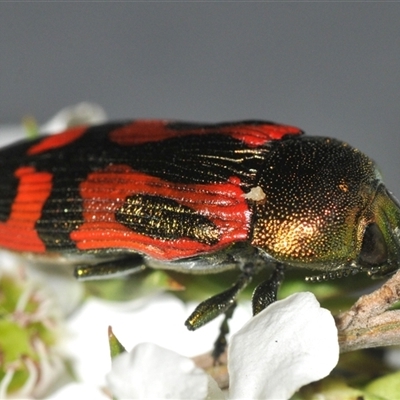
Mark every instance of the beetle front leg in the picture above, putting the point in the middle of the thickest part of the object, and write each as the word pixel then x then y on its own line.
pixel 265 293
pixel 131 264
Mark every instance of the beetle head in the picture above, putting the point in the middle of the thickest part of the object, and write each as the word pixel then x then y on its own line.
pixel 380 250
pixel 326 208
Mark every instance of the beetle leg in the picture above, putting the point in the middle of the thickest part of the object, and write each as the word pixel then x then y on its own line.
pixel 220 303
pixel 110 269
pixel 221 342
pixel 265 293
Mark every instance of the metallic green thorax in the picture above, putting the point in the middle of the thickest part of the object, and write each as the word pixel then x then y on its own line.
pixel 325 207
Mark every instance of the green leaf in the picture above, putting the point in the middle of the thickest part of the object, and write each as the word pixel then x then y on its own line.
pixel 386 387
pixel 116 348
pixel 332 389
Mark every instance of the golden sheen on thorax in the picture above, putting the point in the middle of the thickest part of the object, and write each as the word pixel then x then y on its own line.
pixel 317 199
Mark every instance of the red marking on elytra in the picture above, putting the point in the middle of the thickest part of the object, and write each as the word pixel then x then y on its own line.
pixel 57 140
pixel 104 192
pixel 143 131
pixel 18 232
pixel 260 134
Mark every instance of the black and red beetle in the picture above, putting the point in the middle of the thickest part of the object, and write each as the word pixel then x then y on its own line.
pixel 199 198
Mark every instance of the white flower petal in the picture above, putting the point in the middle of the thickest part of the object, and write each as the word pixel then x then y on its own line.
pixel 11 133
pixel 77 114
pixel 288 345
pixel 150 371
pixel 66 290
pixel 158 319
pixel 78 391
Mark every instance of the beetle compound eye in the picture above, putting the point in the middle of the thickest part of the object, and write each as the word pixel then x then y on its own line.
pixel 374 249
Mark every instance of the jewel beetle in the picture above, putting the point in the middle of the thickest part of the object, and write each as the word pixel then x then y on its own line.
pixel 199 198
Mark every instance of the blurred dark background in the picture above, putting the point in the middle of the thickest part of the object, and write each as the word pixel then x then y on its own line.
pixel 331 68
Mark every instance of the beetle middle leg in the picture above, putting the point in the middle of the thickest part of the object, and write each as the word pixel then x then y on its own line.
pixel 220 303
pixel 266 292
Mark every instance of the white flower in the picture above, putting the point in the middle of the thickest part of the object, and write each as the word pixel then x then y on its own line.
pixel 30 335
pixel 158 319
pixel 78 391
pixel 84 113
pixel 152 372
pixel 291 343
